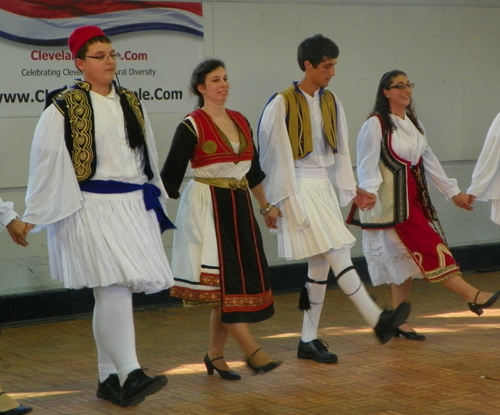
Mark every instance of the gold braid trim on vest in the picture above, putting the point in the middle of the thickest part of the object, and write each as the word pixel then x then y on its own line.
pixel 298 120
pixel 79 111
pixel 75 105
pixel 136 107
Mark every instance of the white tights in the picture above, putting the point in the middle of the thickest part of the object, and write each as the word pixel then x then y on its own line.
pixel 114 333
pixel 350 283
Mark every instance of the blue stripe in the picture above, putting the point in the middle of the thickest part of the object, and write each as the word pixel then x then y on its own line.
pixel 110 32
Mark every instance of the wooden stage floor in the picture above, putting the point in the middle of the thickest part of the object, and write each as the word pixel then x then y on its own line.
pixel 456 371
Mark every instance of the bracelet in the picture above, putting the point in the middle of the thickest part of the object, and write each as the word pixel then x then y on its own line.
pixel 266 210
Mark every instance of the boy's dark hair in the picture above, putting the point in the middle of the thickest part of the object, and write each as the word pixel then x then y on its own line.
pixel 316 49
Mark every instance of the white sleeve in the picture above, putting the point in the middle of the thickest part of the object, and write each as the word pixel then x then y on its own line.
pixel 368 155
pixel 342 175
pixel 53 192
pixel 486 176
pixel 275 152
pixel 434 170
pixel 7 213
pixel 276 160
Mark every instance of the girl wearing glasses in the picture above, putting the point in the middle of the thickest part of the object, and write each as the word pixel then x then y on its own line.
pixel 402 237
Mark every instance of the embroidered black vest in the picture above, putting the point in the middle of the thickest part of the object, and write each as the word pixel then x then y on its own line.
pixel 75 105
pixel 392 207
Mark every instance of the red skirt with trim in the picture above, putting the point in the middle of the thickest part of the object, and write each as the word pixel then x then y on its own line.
pixel 423 242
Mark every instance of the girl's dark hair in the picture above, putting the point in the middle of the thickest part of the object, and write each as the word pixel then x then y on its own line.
pixel 84 49
pixel 199 76
pixel 382 106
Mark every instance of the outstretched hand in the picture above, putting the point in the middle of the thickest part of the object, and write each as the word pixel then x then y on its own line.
pixel 364 200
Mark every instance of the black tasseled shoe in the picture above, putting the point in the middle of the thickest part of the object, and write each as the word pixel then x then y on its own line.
pixel 390 320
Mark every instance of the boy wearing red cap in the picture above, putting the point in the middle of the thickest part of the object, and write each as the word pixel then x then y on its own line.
pixel 94 184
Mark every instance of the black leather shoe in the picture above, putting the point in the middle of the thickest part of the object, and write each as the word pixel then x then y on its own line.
pixel 410 335
pixel 478 308
pixel 224 374
pixel 139 385
pixel 390 320
pixel 111 391
pixel 273 364
pixel 316 350
pixel 17 411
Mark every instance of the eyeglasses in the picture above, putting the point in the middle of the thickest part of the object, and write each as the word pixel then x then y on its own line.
pixel 402 86
pixel 112 55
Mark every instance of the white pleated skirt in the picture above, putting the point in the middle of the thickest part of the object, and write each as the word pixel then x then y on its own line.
pixel 111 240
pixel 389 262
pixel 194 249
pixel 325 227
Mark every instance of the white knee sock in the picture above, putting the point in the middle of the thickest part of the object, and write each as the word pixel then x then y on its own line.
pixel 351 285
pixel 114 333
pixel 318 269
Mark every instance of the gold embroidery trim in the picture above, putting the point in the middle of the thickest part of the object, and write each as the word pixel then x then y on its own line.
pixel 442 272
pixel 299 121
pixel 246 301
pixel 209 147
pixel 227 141
pixel 226 183
pixel 210 279
pixel 195 295
pixel 79 112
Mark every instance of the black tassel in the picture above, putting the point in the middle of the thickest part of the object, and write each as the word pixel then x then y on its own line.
pixel 304 302
pixel 134 129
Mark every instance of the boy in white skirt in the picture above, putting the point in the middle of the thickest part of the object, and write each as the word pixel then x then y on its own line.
pixel 94 184
pixel 304 152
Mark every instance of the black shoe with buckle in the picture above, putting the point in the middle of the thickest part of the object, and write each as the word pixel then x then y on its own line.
pixel 390 320
pixel 316 350
pixel 139 385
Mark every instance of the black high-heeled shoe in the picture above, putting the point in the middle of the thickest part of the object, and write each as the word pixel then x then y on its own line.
pixel 478 308
pixel 410 335
pixel 273 364
pixel 224 374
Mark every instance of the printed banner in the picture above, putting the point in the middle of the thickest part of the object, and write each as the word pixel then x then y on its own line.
pixel 159 44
